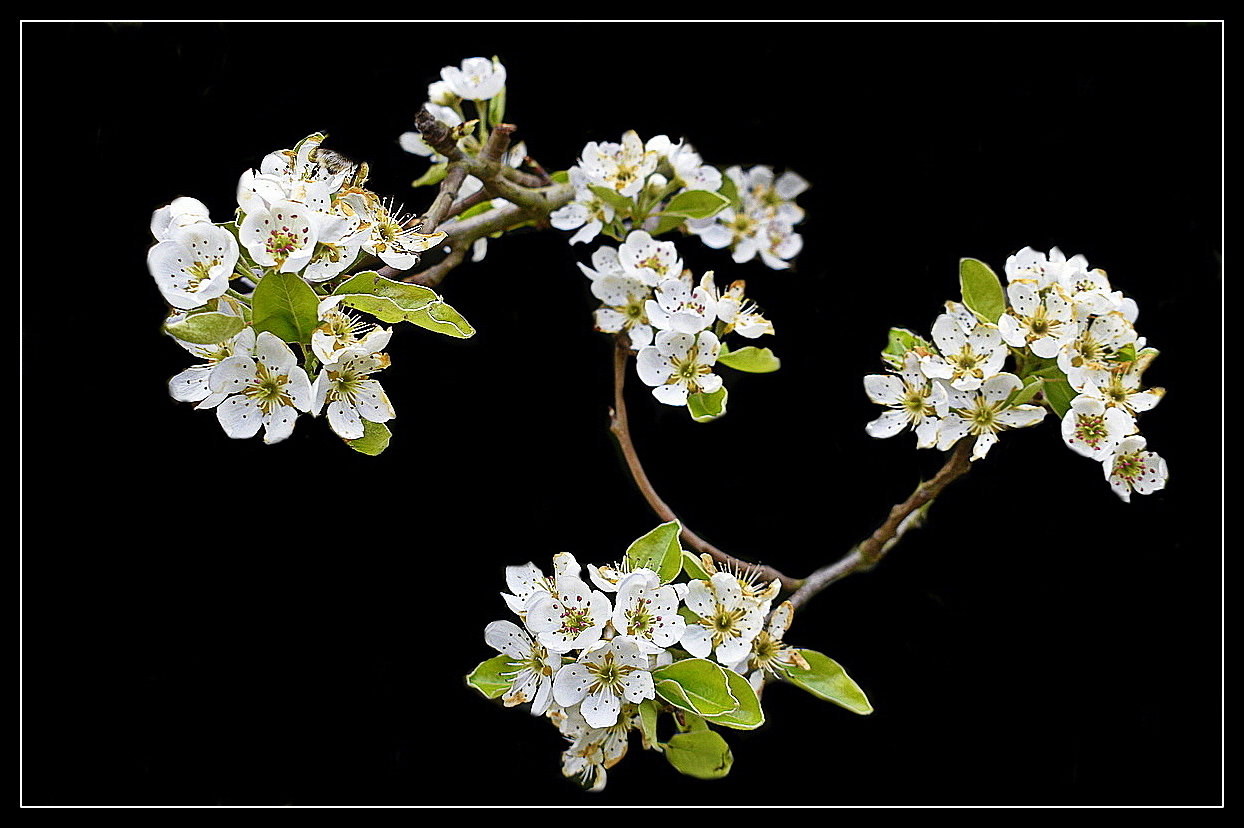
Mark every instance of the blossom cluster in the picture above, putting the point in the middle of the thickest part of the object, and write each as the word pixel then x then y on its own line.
pixel 595 653
pixel 675 322
pixel 632 184
pixel 243 291
pixel 1070 344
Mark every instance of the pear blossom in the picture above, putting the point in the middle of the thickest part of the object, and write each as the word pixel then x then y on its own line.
pixel 649 260
pixel 350 393
pixel 528 582
pixel 265 390
pixel 689 168
pixel 1039 270
pixel 594 749
pixel 339 331
pixel 913 399
pixel 191 385
pixel 624 308
pixel 647 612
pixel 587 213
pixel 727 622
pixel 1091 428
pixel 1130 468
pixel 1097 340
pixel 740 315
pixel 1119 385
pixel 571 617
pixel 679 364
pixel 983 413
pixel 621 167
pixel 682 306
pixel 477 79
pixel 387 234
pixel 770 655
pixel 180 212
pixel 1041 321
pixel 282 236
pixel 969 352
pixel 193 264
pixel 532 678
pixel 605 676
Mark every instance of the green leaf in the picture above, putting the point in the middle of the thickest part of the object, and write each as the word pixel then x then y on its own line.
pixel 750 359
pixel 648 712
pixel 982 291
pixel 622 204
pixel 487 677
pixel 696 204
pixel 434 175
pixel 375 439
pixel 730 192
pixel 691 564
pixel 705 407
pixel 695 684
pixel 393 302
pixel 206 328
pixel 748 715
pixel 285 305
pixel 1059 394
pixel 700 753
pixel 827 680
pixel 898 343
pixel 658 550
pixel 1025 394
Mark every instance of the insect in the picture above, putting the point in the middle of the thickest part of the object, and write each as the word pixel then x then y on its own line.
pixel 336 164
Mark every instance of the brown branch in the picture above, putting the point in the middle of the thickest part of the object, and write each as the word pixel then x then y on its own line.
pixel 621 432
pixel 902 517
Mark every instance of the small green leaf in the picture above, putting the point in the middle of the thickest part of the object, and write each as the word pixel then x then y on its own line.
pixel 898 343
pixel 375 439
pixel 1059 394
pixel 648 712
pixel 488 677
pixel 622 204
pixel 1030 389
pixel 705 407
pixel 982 291
pixel 700 753
pixel 827 680
pixel 285 305
pixel 393 302
pixel 750 359
pixel 748 715
pixel 658 550
pixel 696 204
pixel 695 684
pixel 692 566
pixel 730 192
pixel 206 328
pixel 434 175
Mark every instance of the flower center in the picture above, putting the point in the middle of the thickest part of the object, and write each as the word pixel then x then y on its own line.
pixel 1129 466
pixel 268 389
pixel 1091 429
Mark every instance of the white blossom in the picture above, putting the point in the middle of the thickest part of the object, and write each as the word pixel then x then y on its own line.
pixel 477 79
pixel 741 315
pixel 603 678
pixel 531 680
pixel 1094 430
pixel 351 395
pixel 1130 468
pixel 621 167
pixel 647 611
pixel 727 622
pixel 983 413
pixel 913 400
pixel 683 306
pixel 1041 321
pixel 678 365
pixel 193 264
pixel 571 617
pixel 266 390
pixel 969 352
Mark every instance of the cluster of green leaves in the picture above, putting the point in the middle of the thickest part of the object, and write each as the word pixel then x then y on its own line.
pixel 697 695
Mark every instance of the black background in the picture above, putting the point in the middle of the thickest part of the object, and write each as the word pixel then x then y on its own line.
pixel 209 621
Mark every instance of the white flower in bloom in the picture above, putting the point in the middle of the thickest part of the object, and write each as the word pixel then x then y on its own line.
pixel 571 617
pixel 387 235
pixel 983 413
pixel 268 390
pixel 777 243
pixel 602 678
pixel 1036 269
pixel 350 393
pixel 193 264
pixel 741 315
pixel 624 308
pixel 689 168
pixel 1096 341
pixel 682 306
pixel 1130 468
pixel 678 365
pixel 281 236
pixel 478 79
pixel 191 385
pixel 913 399
pixel 622 167
pixel 1043 322
pixel 1092 429
pixel 968 356
pixel 528 582
pixel 339 331
pixel 1088 290
pixel 770 656
pixel 594 749
pixel 649 260
pixel 647 612
pixel 181 212
pixel 1119 386
pixel 532 678
pixel 727 622
pixel 588 212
